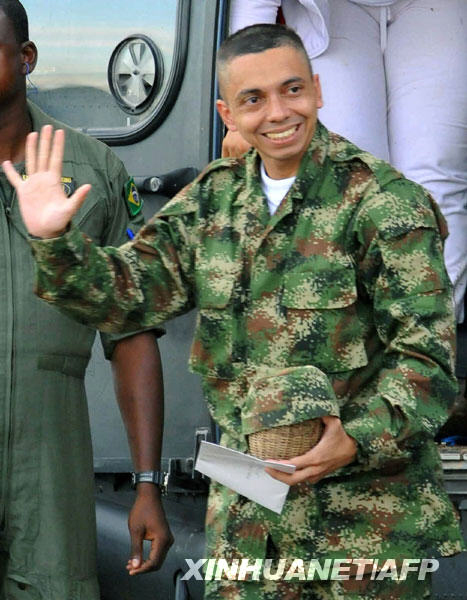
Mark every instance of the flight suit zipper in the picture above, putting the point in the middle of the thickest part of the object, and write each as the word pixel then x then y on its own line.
pixel 8 309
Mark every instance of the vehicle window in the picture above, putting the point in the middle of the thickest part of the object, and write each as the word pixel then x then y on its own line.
pixel 103 66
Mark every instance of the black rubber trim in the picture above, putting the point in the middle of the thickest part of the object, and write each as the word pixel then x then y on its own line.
pixel 159 75
pixel 125 137
pixel 218 131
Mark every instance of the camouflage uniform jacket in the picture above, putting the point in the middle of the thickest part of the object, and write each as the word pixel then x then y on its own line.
pixel 337 304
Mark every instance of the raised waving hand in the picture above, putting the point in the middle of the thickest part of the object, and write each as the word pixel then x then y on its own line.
pixel 45 209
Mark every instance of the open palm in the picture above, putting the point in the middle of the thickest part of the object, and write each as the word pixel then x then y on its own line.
pixel 45 209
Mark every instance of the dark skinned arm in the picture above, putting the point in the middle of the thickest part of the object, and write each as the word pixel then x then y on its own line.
pixel 137 373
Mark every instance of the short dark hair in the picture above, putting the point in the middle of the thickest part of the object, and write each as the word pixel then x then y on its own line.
pixel 15 13
pixel 258 38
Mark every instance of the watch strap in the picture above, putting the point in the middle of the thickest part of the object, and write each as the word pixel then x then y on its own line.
pixel 156 477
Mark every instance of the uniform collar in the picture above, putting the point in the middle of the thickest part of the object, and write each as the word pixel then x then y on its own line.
pixel 312 160
pixel 39 118
pixel 310 173
pixel 309 176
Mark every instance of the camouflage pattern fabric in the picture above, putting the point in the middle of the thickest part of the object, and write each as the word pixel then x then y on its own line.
pixel 340 301
pixel 352 589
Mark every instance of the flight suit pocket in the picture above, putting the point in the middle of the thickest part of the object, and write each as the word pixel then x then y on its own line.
pixel 91 218
pixel 323 324
pixel 74 366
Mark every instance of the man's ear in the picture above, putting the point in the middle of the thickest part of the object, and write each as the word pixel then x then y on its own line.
pixel 225 114
pixel 29 57
pixel 318 91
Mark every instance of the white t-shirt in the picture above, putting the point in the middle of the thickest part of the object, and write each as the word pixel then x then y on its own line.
pixel 274 189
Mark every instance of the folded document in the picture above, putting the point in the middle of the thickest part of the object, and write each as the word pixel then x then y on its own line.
pixel 244 474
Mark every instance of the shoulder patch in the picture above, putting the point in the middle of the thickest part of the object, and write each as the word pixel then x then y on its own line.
pixel 133 200
pixel 68 184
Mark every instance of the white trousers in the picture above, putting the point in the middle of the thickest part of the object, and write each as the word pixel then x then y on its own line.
pixel 394 82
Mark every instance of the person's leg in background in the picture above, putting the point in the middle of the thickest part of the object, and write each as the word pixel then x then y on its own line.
pixel 353 79
pixel 426 68
pixel 426 73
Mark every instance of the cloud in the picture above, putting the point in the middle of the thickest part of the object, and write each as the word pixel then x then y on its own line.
pixel 95 37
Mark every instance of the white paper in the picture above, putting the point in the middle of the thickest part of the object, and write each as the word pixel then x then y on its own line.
pixel 244 474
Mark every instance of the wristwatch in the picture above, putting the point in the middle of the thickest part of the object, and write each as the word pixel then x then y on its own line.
pixel 157 477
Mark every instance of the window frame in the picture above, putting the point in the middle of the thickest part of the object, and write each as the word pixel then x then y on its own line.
pixel 123 136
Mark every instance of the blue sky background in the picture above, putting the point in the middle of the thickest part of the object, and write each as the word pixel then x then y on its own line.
pixel 75 38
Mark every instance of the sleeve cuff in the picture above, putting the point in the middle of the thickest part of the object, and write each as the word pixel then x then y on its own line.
pixel 376 435
pixel 71 242
pixel 110 340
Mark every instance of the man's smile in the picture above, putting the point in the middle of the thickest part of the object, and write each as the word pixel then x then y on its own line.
pixel 275 110
pixel 282 135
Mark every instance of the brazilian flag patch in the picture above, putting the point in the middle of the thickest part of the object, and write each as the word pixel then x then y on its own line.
pixel 133 201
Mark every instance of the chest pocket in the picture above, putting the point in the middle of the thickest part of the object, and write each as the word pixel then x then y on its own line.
pixel 212 351
pixel 322 319
pixel 91 218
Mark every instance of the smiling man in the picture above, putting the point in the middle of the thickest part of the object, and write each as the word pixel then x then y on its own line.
pixel 319 278
pixel 279 118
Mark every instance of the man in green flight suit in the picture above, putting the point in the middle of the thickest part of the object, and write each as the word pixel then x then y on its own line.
pixel 319 278
pixel 47 521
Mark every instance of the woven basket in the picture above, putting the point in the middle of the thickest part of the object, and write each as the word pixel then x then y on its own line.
pixel 286 441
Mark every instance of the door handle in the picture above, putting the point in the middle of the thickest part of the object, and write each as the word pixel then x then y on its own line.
pixel 167 184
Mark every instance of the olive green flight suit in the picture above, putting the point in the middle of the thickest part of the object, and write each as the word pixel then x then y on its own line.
pixel 47 532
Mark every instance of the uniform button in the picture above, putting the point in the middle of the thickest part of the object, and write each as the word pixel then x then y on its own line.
pixel 22 586
pixel 237 411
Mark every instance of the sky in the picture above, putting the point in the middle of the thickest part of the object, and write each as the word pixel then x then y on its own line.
pixel 75 38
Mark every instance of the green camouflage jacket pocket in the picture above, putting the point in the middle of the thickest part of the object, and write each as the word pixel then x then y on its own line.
pixel 322 320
